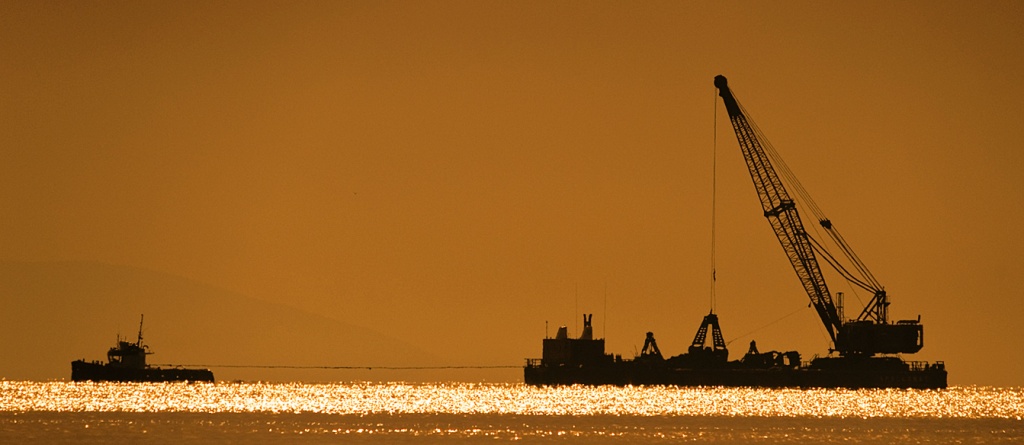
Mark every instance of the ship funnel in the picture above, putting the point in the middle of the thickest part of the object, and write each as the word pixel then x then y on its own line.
pixel 563 333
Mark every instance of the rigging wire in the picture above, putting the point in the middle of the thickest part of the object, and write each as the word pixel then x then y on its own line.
pixel 832 261
pixel 390 368
pixel 848 251
pixel 604 325
pixel 765 326
pixel 866 279
pixel 714 193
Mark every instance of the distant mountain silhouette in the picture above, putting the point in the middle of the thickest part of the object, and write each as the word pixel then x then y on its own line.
pixel 56 312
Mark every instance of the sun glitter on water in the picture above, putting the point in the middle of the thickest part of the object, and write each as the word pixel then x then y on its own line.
pixel 518 399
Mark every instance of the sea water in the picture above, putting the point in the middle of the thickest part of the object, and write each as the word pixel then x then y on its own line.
pixel 254 413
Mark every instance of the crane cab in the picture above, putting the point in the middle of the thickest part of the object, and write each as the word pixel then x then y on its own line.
pixel 870 338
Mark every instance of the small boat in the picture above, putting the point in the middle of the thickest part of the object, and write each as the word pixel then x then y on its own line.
pixel 126 362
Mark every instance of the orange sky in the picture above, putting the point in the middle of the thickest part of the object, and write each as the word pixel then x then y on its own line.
pixel 454 174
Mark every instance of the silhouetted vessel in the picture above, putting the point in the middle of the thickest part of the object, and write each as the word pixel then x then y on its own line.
pixel 126 362
pixel 568 361
pixel 864 346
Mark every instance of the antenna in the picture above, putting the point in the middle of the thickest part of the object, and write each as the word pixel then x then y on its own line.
pixel 576 311
pixel 604 325
pixel 840 309
pixel 141 317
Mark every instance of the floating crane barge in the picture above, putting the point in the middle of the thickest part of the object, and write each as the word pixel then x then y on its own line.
pixel 864 351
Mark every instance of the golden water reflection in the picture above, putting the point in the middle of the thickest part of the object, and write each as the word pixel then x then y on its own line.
pixel 517 399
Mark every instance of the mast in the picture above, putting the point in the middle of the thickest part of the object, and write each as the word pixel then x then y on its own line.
pixel 141 318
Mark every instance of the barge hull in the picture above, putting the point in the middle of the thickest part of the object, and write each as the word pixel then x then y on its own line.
pixel 626 373
pixel 98 372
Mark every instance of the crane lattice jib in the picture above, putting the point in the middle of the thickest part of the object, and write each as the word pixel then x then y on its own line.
pixel 781 212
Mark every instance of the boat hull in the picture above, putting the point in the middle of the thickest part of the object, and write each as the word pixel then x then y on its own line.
pixel 98 372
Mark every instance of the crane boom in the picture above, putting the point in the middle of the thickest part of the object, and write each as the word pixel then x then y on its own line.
pixel 781 212
pixel 870 333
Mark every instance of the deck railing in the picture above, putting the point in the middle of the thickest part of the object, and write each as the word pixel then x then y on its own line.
pixel 924 366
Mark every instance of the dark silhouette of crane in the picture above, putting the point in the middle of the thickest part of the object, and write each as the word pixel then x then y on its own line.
pixel 871 332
